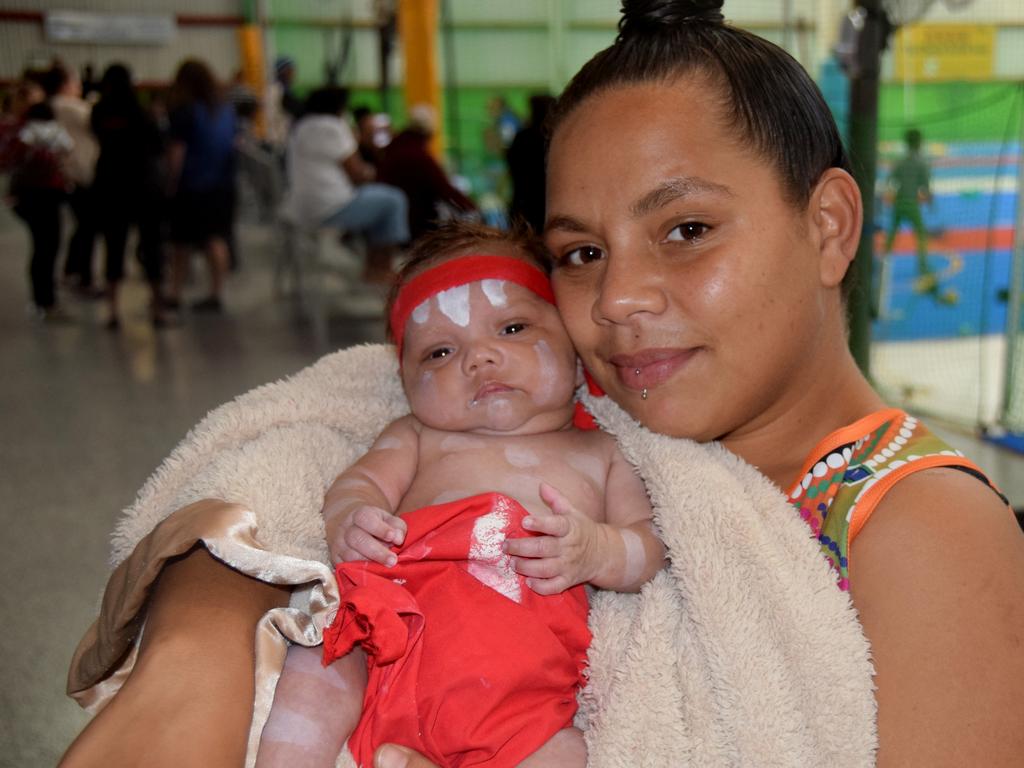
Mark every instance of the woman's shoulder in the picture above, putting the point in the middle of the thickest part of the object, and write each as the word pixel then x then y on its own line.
pixel 938 584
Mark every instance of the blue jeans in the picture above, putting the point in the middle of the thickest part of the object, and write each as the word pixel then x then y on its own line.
pixel 378 211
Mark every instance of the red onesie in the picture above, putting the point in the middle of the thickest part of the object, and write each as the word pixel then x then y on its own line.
pixel 467 664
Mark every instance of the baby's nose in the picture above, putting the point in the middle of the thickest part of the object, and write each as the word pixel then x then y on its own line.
pixel 482 355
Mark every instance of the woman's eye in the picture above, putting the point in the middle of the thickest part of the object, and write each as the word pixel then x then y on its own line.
pixel 439 354
pixel 585 254
pixel 689 232
pixel 513 328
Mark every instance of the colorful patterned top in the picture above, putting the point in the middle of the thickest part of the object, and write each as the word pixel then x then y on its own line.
pixel 854 467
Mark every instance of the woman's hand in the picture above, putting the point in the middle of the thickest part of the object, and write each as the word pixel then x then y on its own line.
pixel 570 552
pixel 395 756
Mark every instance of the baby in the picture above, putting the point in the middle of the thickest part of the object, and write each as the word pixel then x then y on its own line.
pixel 474 522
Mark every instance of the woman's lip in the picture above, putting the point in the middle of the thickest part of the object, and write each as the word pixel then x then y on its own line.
pixel 650 367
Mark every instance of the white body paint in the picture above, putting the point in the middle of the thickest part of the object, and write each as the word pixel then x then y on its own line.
pixel 454 304
pixel 487 563
pixel 494 290
pixel 455 443
pixel 451 495
pixel 521 457
pixel 591 466
pixel 635 556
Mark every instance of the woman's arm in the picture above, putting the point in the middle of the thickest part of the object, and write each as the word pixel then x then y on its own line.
pixel 937 577
pixel 189 698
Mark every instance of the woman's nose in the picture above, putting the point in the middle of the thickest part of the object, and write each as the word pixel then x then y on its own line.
pixel 631 285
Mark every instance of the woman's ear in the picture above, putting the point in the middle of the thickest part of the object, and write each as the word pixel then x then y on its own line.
pixel 837 214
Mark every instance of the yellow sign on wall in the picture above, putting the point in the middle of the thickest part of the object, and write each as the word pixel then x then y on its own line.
pixel 943 52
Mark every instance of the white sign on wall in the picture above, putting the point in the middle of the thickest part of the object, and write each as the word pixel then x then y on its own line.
pixel 109 28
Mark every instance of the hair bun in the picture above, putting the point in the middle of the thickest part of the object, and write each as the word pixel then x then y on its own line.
pixel 646 16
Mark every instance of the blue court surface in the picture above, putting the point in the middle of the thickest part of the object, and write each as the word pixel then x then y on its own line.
pixel 962 289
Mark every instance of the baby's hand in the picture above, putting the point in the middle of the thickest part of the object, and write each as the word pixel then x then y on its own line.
pixel 363 532
pixel 568 554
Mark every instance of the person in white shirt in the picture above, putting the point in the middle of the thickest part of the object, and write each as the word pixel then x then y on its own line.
pixel 64 89
pixel 329 185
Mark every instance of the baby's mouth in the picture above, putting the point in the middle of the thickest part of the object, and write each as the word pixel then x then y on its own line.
pixel 489 389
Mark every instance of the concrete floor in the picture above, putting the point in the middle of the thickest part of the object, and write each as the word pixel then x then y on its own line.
pixel 87 415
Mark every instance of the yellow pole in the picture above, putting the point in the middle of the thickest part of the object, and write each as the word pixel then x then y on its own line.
pixel 417 29
pixel 250 44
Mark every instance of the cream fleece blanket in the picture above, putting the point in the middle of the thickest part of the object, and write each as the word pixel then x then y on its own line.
pixel 741 653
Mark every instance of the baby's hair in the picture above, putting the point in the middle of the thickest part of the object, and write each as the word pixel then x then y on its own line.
pixel 460 238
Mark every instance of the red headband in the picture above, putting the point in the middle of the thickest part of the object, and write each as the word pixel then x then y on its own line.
pixel 460 271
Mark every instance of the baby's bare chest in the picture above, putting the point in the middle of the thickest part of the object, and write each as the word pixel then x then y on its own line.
pixel 454 466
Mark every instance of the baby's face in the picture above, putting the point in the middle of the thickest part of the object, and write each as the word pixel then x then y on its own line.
pixel 489 357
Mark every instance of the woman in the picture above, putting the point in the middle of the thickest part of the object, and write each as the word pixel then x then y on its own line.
pixel 330 185
pixel 703 224
pixel 73 113
pixel 126 187
pixel 33 148
pixel 202 178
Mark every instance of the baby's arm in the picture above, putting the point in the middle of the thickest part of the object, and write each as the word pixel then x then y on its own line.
pixel 359 506
pixel 621 553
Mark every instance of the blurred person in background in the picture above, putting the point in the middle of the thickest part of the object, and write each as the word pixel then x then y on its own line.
pixel 329 184
pixel 281 104
pixel 127 187
pixel 73 113
pixel 407 163
pixel 525 158
pixel 201 178
pixel 373 132
pixel 33 148
pixel 23 95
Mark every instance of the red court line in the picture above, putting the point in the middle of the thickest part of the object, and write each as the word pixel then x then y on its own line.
pixel 953 240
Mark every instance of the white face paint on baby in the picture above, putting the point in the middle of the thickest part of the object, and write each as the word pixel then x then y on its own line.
pixel 494 290
pixel 489 345
pixel 454 304
pixel 421 314
pixel 547 372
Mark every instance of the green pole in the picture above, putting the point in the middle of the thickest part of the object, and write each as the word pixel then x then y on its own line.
pixel 864 155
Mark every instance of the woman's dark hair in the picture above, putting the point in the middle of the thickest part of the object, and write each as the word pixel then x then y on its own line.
pixel 777 107
pixel 41 111
pixel 329 100
pixel 457 237
pixel 55 78
pixel 194 83
pixel 116 86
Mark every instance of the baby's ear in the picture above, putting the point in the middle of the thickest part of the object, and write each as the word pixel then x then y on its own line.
pixel 836 214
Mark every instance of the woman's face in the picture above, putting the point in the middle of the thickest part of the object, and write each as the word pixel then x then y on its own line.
pixel 681 270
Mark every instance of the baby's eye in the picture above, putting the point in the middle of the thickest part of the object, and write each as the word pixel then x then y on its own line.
pixel 585 254
pixel 513 328
pixel 691 231
pixel 439 354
